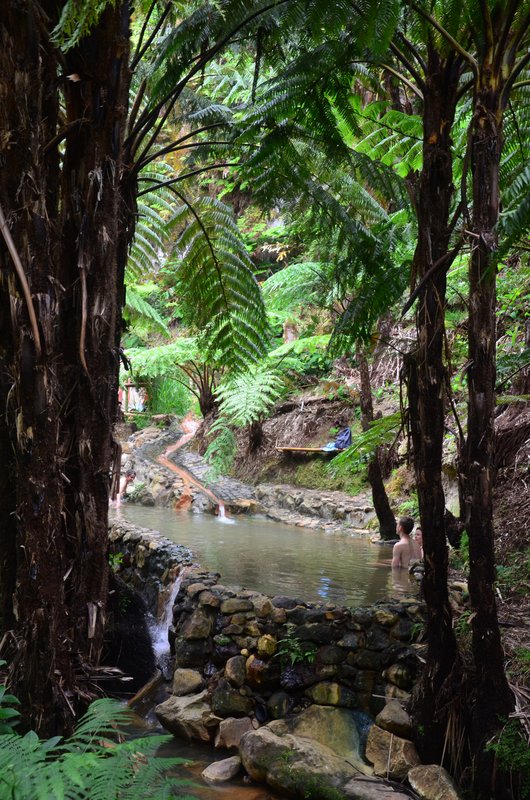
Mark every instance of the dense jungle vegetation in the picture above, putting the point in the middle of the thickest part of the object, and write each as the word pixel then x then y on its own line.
pixel 245 203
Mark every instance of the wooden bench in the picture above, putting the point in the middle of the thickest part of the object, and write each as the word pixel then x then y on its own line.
pixel 307 450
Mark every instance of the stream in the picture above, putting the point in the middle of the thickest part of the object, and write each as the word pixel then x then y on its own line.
pixel 278 559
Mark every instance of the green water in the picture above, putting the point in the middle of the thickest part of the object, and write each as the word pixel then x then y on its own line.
pixel 273 558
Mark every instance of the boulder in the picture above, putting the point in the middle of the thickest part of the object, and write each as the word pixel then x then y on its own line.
pixel 300 767
pixel 262 606
pixel 191 652
pixel 261 673
pixel 267 646
pixel 231 730
pixel 186 681
pixel 227 702
pixel 433 782
pixel 198 626
pixel 332 694
pixel 235 605
pixel 391 756
pixel 278 705
pixel 221 771
pixel 235 670
pixel 385 617
pixel 371 789
pixel 400 675
pixel 394 718
pixel 334 728
pixel 190 717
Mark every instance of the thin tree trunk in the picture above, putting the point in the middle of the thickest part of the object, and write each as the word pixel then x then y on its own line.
pixel 426 389
pixel 63 217
pixel 493 696
pixel 385 515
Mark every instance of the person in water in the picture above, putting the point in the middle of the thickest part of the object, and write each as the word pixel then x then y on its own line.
pixel 406 550
pixel 418 538
pixel 125 480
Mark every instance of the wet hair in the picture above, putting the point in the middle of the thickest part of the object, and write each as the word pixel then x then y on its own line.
pixel 407 523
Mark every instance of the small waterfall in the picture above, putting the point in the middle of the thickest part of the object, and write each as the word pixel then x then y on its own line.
pixel 221 516
pixel 159 628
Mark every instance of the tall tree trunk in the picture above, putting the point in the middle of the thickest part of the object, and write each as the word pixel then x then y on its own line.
pixel 426 387
pixel 492 694
pixel 59 372
pixel 385 515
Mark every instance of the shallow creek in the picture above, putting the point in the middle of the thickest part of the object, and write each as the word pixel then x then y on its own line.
pixel 277 559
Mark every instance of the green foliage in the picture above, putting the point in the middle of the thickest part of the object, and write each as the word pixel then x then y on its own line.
pixel 460 557
pixel 293 650
pixel 141 420
pixel 519 668
pixel 167 396
pixel 8 714
pixel 115 561
pixel 314 474
pixel 381 431
pixel 162 361
pixel 514 575
pixel 215 279
pixel 78 18
pixel 513 753
pixel 91 765
pixel 139 310
pixel 247 396
pixel 297 285
pixel 410 507
pixel 221 451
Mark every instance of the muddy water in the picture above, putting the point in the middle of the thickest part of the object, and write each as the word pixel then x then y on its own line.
pixel 198 756
pixel 273 558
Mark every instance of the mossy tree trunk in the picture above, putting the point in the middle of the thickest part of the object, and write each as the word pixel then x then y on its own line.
pixel 62 119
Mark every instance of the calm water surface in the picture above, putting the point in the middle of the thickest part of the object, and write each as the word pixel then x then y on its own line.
pixel 274 558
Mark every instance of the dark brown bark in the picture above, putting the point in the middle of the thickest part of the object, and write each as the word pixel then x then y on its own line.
pixel 492 694
pixel 63 214
pixel 384 513
pixel 426 378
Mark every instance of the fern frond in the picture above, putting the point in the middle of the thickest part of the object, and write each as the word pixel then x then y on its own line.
pixel 248 396
pixel 364 445
pixel 214 277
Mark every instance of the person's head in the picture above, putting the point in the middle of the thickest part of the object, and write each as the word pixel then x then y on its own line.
pixel 130 475
pixel 405 525
pixel 419 535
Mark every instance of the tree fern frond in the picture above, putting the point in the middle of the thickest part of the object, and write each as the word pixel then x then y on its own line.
pixel 364 445
pixel 214 277
pixel 249 395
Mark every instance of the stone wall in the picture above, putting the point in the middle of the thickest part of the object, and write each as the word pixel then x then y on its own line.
pixel 147 561
pixel 314 508
pixel 265 656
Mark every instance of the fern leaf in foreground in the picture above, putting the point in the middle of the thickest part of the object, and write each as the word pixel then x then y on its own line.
pixel 91 765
